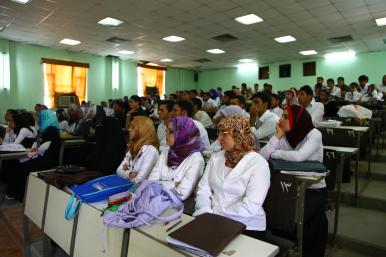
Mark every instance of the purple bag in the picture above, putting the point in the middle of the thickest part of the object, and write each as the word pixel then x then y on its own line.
pixel 150 201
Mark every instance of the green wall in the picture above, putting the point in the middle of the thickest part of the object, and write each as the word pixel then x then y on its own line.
pixel 371 64
pixel 27 87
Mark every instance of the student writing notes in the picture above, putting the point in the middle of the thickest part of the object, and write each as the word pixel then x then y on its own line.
pixel 297 140
pixel 180 167
pixel 236 180
pixel 142 152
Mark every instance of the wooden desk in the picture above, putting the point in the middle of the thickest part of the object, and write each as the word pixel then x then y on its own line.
pixel 344 152
pixel 80 237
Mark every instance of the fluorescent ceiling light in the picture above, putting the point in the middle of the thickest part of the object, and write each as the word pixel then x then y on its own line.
pixel 21 1
pixel 246 60
pixel 125 52
pixel 340 56
pixel 308 52
pixel 166 60
pixel 108 21
pixel 215 51
pixel 285 39
pixel 152 64
pixel 381 21
pixel 70 42
pixel 173 38
pixel 249 19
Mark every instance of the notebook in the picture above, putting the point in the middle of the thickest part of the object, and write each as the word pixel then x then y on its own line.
pixel 207 235
pixel 306 168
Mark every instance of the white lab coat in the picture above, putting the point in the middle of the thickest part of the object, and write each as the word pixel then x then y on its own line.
pixel 186 175
pixel 144 163
pixel 238 193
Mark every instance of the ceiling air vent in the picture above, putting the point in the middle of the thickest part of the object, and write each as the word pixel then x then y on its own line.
pixel 202 60
pixel 225 38
pixel 117 40
pixel 341 39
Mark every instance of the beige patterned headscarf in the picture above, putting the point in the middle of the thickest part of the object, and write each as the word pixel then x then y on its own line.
pixel 241 133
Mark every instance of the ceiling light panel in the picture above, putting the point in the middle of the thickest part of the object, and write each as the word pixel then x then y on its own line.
pixel 71 42
pixel 308 52
pixel 249 19
pixel 381 21
pixel 215 51
pixel 108 21
pixel 125 52
pixel 285 39
pixel 173 39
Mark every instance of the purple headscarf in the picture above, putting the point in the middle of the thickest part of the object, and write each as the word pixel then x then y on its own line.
pixel 187 140
pixel 213 93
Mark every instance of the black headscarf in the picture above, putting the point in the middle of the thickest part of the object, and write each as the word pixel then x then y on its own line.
pixel 300 122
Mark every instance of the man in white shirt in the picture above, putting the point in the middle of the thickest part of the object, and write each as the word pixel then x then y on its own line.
pixel 333 90
pixel 371 95
pixel 210 105
pixel 200 115
pixel 353 96
pixel 165 108
pixel 262 120
pixel 239 100
pixel 306 99
pixel 382 88
pixel 226 101
pixel 363 84
pixel 275 105
pixel 185 108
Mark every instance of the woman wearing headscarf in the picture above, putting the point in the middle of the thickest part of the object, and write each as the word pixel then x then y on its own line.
pixel 142 152
pixel 92 119
pixel 236 179
pixel 214 95
pixel 43 156
pixel 290 98
pixel 297 140
pixel 74 116
pixel 180 167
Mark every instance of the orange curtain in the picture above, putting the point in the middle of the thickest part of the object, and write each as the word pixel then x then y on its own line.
pixel 152 78
pixel 64 79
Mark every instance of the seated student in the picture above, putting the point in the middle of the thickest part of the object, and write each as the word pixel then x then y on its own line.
pixel 239 100
pixel 180 167
pixel 353 95
pixel 343 87
pixel 165 109
pixel 74 117
pixel 62 119
pixel 334 91
pixel 210 105
pixel 135 108
pixel 185 108
pixel 363 84
pixel 93 118
pixel 382 87
pixel 236 180
pixel 290 98
pixel 216 95
pixel 262 120
pixel 200 115
pixel 306 99
pixel 46 152
pixel 20 130
pixel 297 140
pixel 330 107
pixel 371 94
pixel 120 113
pixel 275 105
pixel 142 152
pixel 225 101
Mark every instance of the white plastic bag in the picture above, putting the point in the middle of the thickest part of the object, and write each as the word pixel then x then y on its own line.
pixel 355 111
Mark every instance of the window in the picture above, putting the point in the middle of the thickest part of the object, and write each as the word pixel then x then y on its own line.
pixel 64 78
pixel 151 80
pixel 4 71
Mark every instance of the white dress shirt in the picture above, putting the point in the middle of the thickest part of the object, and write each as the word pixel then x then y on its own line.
pixel 144 163
pixel 309 149
pixel 204 118
pixel 12 138
pixel 375 96
pixel 237 193
pixel 63 126
pixel 335 91
pixel 210 104
pixel 352 97
pixel 278 111
pixel 182 179
pixel 268 125
pixel 316 110
pixel 161 130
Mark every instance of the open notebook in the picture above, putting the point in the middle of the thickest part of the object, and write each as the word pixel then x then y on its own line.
pixel 207 235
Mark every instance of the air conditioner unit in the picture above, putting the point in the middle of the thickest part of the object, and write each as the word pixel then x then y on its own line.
pixel 66 100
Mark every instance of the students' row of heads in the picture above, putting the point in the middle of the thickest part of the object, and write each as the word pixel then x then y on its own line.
pixel 18 119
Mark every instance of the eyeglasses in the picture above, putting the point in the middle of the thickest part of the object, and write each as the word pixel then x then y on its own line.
pixel 222 133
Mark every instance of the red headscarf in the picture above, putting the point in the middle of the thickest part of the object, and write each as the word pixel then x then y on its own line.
pixel 300 123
